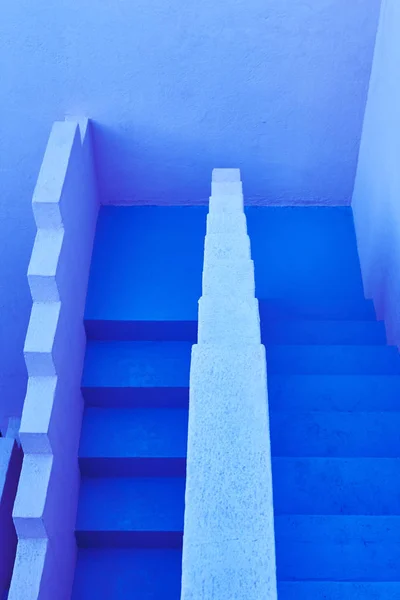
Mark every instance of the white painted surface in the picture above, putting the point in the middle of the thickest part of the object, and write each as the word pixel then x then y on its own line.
pixel 228 546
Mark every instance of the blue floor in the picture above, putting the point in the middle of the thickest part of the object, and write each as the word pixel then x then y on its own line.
pixel 334 396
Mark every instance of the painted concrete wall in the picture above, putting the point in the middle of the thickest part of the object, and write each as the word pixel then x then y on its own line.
pixel 376 199
pixel 275 86
pixel 65 206
pixel 228 475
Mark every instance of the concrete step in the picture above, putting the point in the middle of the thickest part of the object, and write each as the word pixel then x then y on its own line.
pixel 335 434
pixel 324 309
pixel 147 264
pixel 133 442
pixel 333 590
pixel 333 360
pixel 130 512
pixel 301 253
pixel 338 548
pixel 332 486
pixel 122 574
pixel 136 373
pixel 285 332
pixel 324 393
pixel 155 331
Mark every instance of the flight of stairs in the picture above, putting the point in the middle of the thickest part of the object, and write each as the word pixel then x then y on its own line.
pixel 141 323
pixel 334 399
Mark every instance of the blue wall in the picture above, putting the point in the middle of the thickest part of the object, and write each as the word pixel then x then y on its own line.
pixel 376 200
pixel 275 87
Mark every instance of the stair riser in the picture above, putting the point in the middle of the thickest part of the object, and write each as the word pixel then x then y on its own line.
pixel 335 360
pixel 136 397
pixel 133 467
pixel 322 333
pixel 129 539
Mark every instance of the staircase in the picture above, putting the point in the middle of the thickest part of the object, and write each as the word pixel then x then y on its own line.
pixel 334 397
pixel 334 389
pixel 141 321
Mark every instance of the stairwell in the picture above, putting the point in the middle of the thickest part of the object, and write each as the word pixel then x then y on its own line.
pixel 333 387
pixel 141 321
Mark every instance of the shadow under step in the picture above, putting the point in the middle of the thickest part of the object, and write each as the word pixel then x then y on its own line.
pixel 333 360
pixel 352 333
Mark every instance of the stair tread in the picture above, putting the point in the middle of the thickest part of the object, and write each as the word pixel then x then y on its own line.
pixel 340 360
pixel 334 392
pixel 137 364
pixel 336 486
pixel 141 432
pixel 134 442
pixel 357 561
pixel 142 574
pixel 114 329
pixel 336 434
pixel 131 504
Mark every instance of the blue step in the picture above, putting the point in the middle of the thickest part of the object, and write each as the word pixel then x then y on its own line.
pixel 359 486
pixel 155 331
pixel 324 310
pixel 147 264
pixel 336 360
pixel 338 548
pixel 333 590
pixel 301 253
pixel 323 332
pixel 130 512
pixel 136 373
pixel 122 574
pixel 334 392
pixel 137 442
pixel 335 434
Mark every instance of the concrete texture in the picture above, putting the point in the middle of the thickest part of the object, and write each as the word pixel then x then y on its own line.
pixel 65 210
pixel 228 544
pixel 377 187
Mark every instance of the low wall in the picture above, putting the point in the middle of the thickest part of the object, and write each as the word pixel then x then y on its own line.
pixel 228 543
pixel 65 208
